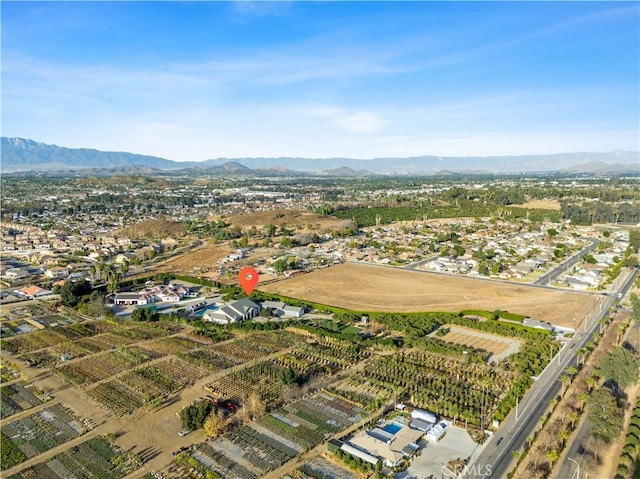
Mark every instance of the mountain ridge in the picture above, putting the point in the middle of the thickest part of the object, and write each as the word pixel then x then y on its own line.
pixel 22 155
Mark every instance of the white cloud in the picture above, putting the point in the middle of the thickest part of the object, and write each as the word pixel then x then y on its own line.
pixel 349 120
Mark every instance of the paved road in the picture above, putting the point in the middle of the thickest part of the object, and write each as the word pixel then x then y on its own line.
pixel 563 267
pixel 496 455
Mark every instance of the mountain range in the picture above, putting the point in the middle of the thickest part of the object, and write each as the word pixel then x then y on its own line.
pixel 23 155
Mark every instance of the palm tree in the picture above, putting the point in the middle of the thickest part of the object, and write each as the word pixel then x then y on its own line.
pixel 573 417
pixel 563 435
pixel 571 371
pixel 582 397
pixel 580 356
pixel 620 332
pixel 564 379
pixel 552 456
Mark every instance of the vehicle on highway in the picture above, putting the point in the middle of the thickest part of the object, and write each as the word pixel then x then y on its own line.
pixel 499 440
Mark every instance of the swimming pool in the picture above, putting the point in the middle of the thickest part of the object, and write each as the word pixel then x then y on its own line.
pixel 392 427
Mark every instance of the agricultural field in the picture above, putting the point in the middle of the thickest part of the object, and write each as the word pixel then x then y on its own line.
pixel 378 288
pixel 258 345
pixel 320 468
pixel 8 372
pixel 271 379
pixel 45 338
pixel 253 450
pixel 92 369
pixel 143 373
pixel 493 344
pixel 26 343
pixel 41 431
pixel 445 385
pixel 92 459
pixel 19 397
pixel 14 327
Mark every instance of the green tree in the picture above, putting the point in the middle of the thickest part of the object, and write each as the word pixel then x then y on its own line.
pixel 271 229
pixel 144 314
pixel 194 415
pixel 620 367
pixel 604 415
pixel 280 265
pixel 71 292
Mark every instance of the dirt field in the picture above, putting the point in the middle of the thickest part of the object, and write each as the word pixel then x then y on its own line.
pixel 541 204
pixel 378 288
pixel 471 339
pixel 195 262
pixel 299 220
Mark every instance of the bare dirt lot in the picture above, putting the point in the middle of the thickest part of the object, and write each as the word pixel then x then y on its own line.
pixel 377 288
pixel 541 204
pixel 492 343
pixel 196 262
pixel 300 220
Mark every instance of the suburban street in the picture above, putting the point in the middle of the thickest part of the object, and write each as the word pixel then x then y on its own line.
pixel 548 277
pixel 496 455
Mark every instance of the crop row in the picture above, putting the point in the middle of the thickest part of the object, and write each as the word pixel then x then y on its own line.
pixel 162 378
pixel 174 344
pixel 209 358
pixel 116 397
pixel 91 459
pixel 25 343
pixel 443 385
pixel 43 430
pixel 17 398
pixel 101 366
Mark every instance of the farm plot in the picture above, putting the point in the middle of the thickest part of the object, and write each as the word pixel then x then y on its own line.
pixel 309 421
pixel 320 468
pixel 333 353
pixel 19 397
pixel 52 320
pixel 24 310
pixel 103 342
pixel 92 459
pixel 270 379
pixel 266 378
pixel 447 386
pixel 8 372
pixel 245 453
pixel 43 430
pixel 145 331
pixel 95 368
pixel 175 344
pixel 476 340
pixel 116 397
pixel 15 327
pixel 258 345
pixel 252 450
pixel 210 358
pixel 83 330
pixel 26 343
pixel 162 378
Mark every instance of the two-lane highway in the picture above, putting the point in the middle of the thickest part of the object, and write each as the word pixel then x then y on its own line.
pixel 496 454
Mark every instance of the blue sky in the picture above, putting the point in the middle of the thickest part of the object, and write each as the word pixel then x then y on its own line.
pixel 199 80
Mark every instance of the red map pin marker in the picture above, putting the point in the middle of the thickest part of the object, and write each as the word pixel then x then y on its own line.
pixel 248 278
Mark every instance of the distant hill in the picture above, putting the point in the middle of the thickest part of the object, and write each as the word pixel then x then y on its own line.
pixel 21 155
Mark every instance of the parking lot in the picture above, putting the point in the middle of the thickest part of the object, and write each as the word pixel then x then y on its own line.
pixel 456 444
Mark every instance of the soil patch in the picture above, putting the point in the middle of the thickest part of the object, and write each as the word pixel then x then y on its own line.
pixel 377 288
